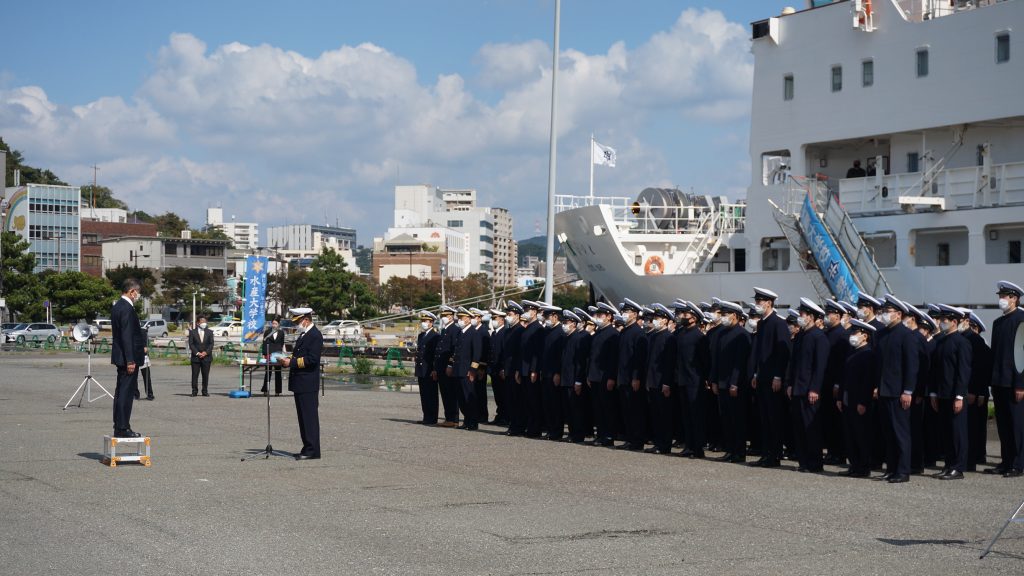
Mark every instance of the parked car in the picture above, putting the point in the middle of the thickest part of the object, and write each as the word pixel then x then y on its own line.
pixel 8 326
pixel 155 328
pixel 342 329
pixel 34 331
pixel 102 324
pixel 228 329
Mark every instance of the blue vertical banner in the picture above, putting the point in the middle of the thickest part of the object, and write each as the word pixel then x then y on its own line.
pixel 830 261
pixel 254 308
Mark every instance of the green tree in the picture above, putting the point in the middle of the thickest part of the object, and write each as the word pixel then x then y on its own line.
pixel 569 297
pixel 178 285
pixel 145 276
pixel 473 285
pixel 332 291
pixel 101 197
pixel 284 287
pixel 21 288
pixel 77 296
pixel 213 233
pixel 167 224
pixel 29 174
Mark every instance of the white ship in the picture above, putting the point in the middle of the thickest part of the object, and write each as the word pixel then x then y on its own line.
pixel 928 95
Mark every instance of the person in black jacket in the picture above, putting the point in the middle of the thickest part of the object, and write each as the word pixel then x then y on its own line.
pixel 921 428
pixel 465 367
pixel 127 353
pixel 304 381
pixel 729 381
pixel 446 347
pixel 898 349
pixel 857 386
pixel 692 364
pixel 200 345
pixel 660 380
pixel 805 378
pixel 425 369
pixel 531 349
pixel 510 366
pixel 632 370
pixel 574 374
pixel 951 376
pixel 977 392
pixel 602 371
pixel 1008 382
pixel 769 359
pixel 495 366
pixel 554 397
pixel 838 349
pixel 479 328
pixel 273 341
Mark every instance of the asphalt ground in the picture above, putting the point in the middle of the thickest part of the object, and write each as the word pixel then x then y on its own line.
pixel 393 497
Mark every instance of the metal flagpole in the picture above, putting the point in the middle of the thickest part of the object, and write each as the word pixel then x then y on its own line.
pixel 591 169
pixel 549 270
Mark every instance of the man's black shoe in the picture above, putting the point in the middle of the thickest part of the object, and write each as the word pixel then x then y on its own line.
pixel 738 459
pixel 194 394
pixel 306 457
pixel 898 479
pixel 129 433
pixel 952 475
pixel 205 393
pixel 1013 473
pixel 149 397
pixel 758 463
pixel 727 457
pixel 1000 470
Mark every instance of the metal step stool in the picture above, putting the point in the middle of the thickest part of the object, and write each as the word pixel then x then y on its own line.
pixel 137 450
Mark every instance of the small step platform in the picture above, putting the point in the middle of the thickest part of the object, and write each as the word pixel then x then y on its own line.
pixel 116 450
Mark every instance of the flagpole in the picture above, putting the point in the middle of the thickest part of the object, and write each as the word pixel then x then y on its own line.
pixel 591 169
pixel 549 270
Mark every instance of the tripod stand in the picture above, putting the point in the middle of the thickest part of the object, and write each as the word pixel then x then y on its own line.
pixel 1015 517
pixel 269 450
pixel 85 388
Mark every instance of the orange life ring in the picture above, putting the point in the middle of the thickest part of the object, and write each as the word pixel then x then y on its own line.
pixel 654 266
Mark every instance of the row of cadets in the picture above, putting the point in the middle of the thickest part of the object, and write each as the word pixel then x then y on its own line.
pixel 602 373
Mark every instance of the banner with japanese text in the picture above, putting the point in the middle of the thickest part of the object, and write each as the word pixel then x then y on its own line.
pixel 830 260
pixel 254 305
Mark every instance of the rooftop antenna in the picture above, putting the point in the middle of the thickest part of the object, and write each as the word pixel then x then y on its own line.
pixel 92 193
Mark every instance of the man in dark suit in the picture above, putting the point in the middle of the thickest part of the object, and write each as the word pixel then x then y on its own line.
pixel 495 366
pixel 977 392
pixel 1008 382
pixel 574 375
pixel 632 371
pixel 465 366
pixel 951 376
pixel 769 358
pixel 898 349
pixel 511 364
pixel 127 353
pixel 730 378
pixel 859 380
pixel 426 371
pixel 692 364
pixel 482 342
pixel 602 365
pixel 450 334
pixel 805 379
pixel 838 350
pixel 552 392
pixel 531 348
pixel 273 341
pixel 200 346
pixel 304 381
pixel 660 380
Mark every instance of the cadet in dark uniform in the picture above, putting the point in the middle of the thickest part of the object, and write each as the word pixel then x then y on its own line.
pixel 554 398
pixel 661 369
pixel 511 364
pixel 482 341
pixel 692 364
pixel 574 394
pixel 857 387
pixel 632 369
pixel 426 371
pixel 465 366
pixel 304 381
pixel 951 376
pixel 769 358
pixel 838 349
pixel 1008 382
pixel 496 366
pixel 532 349
pixel 729 380
pixel 977 393
pixel 602 372
pixel 450 335
pixel 898 351
pixel 805 378
pixel 712 419
pixel 922 326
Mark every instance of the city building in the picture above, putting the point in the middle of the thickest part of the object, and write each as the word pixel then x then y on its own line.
pixel 244 235
pixel 160 253
pixel 300 243
pixel 50 219
pixel 93 231
pixel 421 253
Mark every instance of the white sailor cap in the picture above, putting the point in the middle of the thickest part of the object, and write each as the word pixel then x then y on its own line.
pixel 946 311
pixel 861 326
pixel 808 305
pixel 528 304
pixel 549 309
pixel 705 307
pixel 298 313
pixel 513 307
pixel 792 316
pixel 865 299
pixel 764 294
pixel 584 316
pixel 496 312
pixel 446 311
pixel 716 303
pixel 849 307
pixel 661 310
pixel 973 318
pixel 604 307
pixel 726 306
pixel 833 306
pixel 461 311
pixel 619 319
pixel 1007 287
pixel 628 304
pixel 895 303
pixel 477 312
pixel 570 316
pixel 428 315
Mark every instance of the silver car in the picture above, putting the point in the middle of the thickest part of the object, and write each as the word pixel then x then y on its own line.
pixel 35 331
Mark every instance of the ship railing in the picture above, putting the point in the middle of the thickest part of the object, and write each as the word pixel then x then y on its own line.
pixel 968 187
pixel 632 218
pixel 921 10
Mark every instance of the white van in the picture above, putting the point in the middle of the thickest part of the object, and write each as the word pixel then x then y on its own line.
pixel 155 328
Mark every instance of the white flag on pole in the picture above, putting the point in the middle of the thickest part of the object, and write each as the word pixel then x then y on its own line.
pixel 604 155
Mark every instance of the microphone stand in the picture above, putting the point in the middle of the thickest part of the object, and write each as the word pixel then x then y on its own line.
pixel 269 450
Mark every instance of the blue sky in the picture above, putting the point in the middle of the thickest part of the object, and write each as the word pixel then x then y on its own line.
pixel 311 111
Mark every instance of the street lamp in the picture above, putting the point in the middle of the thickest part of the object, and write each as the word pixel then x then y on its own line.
pixel 443 263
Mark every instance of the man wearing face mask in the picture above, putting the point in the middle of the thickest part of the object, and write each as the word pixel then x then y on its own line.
pixel 200 344
pixel 691 372
pixel 446 347
pixel 273 341
pixel 898 350
pixel 532 349
pixel 857 386
pixel 576 360
pixel 465 362
pixel 552 394
pixel 951 375
pixel 304 381
pixel 977 393
pixel 922 326
pixel 838 350
pixel 632 369
pixel 602 371
pixel 729 381
pixel 495 366
pixel 1008 382
pixel 867 308
pixel 510 366
pixel 426 372
pixel 127 353
pixel 770 350
pixel 660 380
pixel 482 341
pixel 805 378
pixel 712 419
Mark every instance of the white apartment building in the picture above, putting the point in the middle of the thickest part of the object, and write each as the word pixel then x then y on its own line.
pixel 300 243
pixel 245 235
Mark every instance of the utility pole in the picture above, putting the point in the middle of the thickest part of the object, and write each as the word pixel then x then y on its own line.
pixel 92 193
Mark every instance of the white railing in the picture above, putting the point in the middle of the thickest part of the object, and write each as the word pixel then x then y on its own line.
pixel 675 219
pixel 970 187
pixel 920 10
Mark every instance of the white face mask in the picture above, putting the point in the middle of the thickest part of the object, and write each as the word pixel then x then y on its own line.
pixel 945 325
pixel 855 340
pixel 963 326
pixel 803 321
pixel 660 323
pixel 599 321
pixel 725 320
pixel 861 313
pixel 531 315
pixel 446 320
pixel 759 308
pixel 1004 304
pixel 462 323
pixel 566 328
pixel 884 318
pixel 424 326
pixel 510 320
pixel 494 324
pixel 550 323
pixel 202 325
pixel 716 318
pixel 474 322
pixel 908 324
pixel 751 324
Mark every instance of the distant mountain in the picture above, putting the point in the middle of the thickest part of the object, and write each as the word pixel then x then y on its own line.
pixel 536 246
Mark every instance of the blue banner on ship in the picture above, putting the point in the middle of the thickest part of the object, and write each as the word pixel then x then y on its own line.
pixel 254 309
pixel 830 261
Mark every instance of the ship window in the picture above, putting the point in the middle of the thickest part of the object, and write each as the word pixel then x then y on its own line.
pixel 940 246
pixel 739 259
pixel 1003 243
pixel 774 254
pixel 1002 48
pixel 867 73
pixel 883 248
pixel 837 78
pixel 787 87
pixel 912 162
pixel 1013 254
pixel 922 62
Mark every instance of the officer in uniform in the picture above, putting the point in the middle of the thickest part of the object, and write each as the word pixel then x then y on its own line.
pixel 602 371
pixel 838 349
pixel 632 369
pixel 482 342
pixel 304 381
pixel 899 354
pixel 495 365
pixel 554 398
pixel 573 392
pixel 450 334
pixel 867 309
pixel 661 369
pixel 691 372
pixel 922 326
pixel 426 371
pixel 977 392
pixel 805 378
pixel 951 376
pixel 511 364
pixel 465 367
pixel 589 327
pixel 532 350
pixel 1008 382
pixel 769 359
pixel 857 386
pixel 729 380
